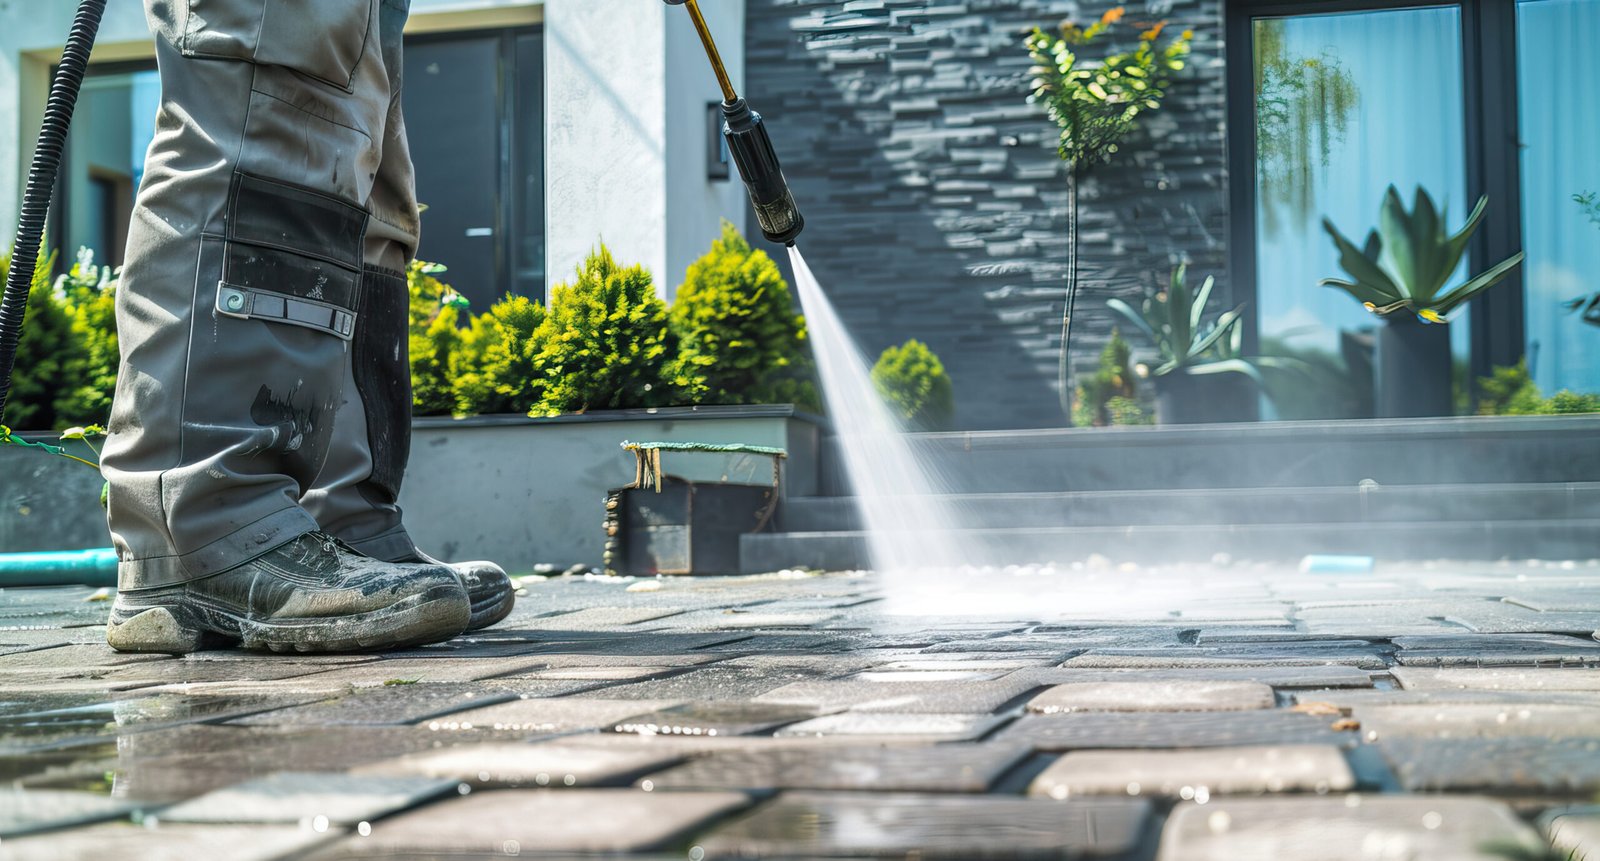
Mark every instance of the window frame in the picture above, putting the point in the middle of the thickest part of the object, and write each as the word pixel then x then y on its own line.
pixel 1491 150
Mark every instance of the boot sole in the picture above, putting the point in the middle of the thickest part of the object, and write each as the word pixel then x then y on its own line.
pixel 438 614
pixel 491 610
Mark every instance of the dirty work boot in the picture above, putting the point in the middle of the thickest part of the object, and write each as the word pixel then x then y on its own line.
pixel 314 594
pixel 487 586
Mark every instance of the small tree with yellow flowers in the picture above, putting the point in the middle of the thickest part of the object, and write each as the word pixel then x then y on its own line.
pixel 1096 103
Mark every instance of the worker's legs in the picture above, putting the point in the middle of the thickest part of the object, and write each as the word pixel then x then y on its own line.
pixel 355 496
pixel 245 282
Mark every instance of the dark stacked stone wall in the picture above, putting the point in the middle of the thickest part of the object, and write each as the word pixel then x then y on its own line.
pixel 936 205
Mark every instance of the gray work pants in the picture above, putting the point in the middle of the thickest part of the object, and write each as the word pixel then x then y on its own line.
pixel 264 390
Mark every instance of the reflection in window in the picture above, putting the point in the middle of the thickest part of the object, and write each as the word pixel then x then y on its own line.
pixel 1560 132
pixel 1346 105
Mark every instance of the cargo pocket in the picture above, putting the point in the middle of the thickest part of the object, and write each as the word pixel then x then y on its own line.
pixel 292 255
pixel 322 39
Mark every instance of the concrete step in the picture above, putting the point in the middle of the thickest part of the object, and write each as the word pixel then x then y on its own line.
pixel 1267 542
pixel 1464 450
pixel 1376 504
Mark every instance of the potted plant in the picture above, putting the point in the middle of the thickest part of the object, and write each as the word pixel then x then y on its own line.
pixel 1201 376
pixel 1400 275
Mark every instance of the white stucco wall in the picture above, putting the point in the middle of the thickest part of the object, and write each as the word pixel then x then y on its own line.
pixel 698 205
pixel 626 88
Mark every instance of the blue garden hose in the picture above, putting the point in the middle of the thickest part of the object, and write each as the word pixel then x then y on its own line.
pixel 59 568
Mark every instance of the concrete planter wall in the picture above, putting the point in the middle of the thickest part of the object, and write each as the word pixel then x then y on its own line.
pixel 516 490
pixel 523 491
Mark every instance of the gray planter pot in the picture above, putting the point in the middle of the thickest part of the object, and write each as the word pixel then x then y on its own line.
pixel 1413 369
pixel 1186 399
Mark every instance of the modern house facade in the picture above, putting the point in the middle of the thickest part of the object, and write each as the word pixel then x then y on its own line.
pixel 936 204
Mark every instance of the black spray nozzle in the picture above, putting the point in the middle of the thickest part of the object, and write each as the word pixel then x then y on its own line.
pixel 751 148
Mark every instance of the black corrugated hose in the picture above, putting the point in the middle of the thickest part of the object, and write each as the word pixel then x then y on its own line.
pixel 41 183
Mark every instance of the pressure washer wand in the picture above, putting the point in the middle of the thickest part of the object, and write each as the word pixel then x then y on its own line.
pixel 751 148
pixel 41 182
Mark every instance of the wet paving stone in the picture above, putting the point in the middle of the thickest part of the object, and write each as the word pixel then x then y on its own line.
pixel 1574 830
pixel 1153 696
pixel 295 797
pixel 716 682
pixel 163 842
pixel 539 716
pixel 1334 676
pixel 1184 773
pixel 1349 699
pixel 1144 730
pixel 947 768
pixel 177 765
pixel 1093 660
pixel 1563 766
pixel 800 825
pixel 1483 650
pixel 26 811
pixel 1547 679
pixel 37 724
pixel 598 618
pixel 862 726
pixel 911 697
pixel 531 821
pixel 542 764
pixel 716 719
pixel 384 706
pixel 1476 720
pixel 1338 828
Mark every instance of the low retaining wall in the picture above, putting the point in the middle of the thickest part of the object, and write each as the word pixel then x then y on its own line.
pixel 516 490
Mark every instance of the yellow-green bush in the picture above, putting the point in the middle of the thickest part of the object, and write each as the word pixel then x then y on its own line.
pixel 737 327
pixel 913 382
pixel 67 358
pixel 605 344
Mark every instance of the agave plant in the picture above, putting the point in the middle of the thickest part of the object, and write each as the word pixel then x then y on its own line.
pixel 1175 321
pixel 1408 259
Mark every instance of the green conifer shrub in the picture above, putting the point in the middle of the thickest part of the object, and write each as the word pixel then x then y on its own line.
pixel 89 295
pixel 605 344
pixel 737 326
pixel 45 353
pixel 913 382
pixel 1110 397
pixel 495 372
pixel 435 338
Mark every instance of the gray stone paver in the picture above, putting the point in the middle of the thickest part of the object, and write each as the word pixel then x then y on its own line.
pixel 1339 828
pixel 551 764
pixel 1184 773
pixel 295 797
pixel 515 821
pixel 23 812
pixel 1145 730
pixel 959 768
pixel 810 699
pixel 856 825
pixel 168 842
pixel 1153 696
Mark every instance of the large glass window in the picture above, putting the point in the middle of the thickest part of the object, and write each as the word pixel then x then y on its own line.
pixel 1345 106
pixel 1560 139
pixel 475 114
